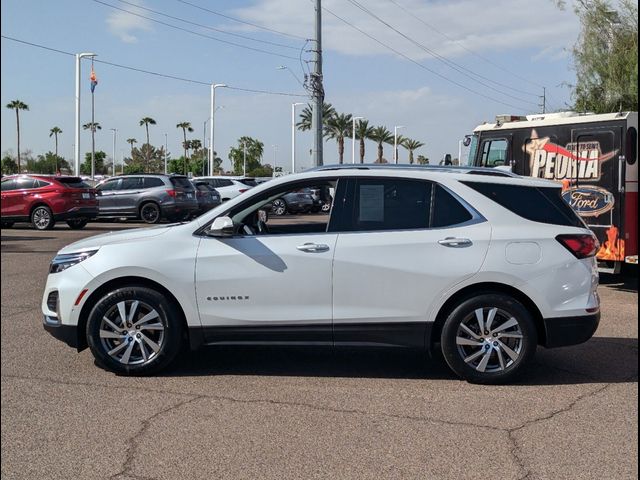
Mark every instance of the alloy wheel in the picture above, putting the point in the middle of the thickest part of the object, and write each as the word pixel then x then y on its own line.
pixel 41 218
pixel 132 333
pixel 489 339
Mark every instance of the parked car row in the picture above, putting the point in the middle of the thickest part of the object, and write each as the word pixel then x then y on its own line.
pixel 44 200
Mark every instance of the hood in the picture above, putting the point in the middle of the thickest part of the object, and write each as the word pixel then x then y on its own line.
pixel 116 237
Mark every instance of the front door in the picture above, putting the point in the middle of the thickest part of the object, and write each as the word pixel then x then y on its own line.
pixel 272 281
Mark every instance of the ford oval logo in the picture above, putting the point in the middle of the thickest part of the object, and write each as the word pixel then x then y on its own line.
pixel 589 201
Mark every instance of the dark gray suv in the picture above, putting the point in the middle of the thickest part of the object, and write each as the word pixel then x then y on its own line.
pixel 149 198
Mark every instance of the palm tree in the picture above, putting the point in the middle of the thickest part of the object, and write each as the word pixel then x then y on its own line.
pixel 185 126
pixel 18 105
pixel 381 135
pixel 307 115
pixel 93 126
pixel 397 142
pixel 146 121
pixel 337 127
pixel 131 141
pixel 363 132
pixel 54 133
pixel 412 145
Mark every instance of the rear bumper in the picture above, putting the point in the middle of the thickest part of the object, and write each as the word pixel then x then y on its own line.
pixel 564 331
pixel 77 212
pixel 176 210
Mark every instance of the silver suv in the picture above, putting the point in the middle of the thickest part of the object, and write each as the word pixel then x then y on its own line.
pixel 149 198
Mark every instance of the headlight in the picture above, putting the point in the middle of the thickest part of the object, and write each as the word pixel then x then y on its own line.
pixel 62 262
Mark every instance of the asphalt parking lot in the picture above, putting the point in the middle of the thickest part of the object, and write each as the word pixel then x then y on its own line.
pixel 307 413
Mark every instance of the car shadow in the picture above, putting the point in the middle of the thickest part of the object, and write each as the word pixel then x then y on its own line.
pixel 624 282
pixel 17 238
pixel 600 360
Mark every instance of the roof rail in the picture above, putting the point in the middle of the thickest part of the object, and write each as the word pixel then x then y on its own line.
pixel 433 168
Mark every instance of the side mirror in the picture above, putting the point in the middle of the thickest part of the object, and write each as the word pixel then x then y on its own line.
pixel 221 227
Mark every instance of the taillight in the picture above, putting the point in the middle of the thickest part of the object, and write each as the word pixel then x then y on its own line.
pixel 172 193
pixel 242 190
pixel 581 245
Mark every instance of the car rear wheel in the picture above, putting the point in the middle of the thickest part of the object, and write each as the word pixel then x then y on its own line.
pixel 150 213
pixel 279 207
pixel 42 218
pixel 77 223
pixel 134 330
pixel 489 339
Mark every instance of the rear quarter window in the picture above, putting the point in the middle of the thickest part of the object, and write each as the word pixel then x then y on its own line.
pixel 537 204
pixel 152 182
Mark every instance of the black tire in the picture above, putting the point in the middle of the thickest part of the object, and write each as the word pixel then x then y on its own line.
pixel 279 207
pixel 7 224
pixel 165 332
pixel 503 353
pixel 42 218
pixel 77 223
pixel 150 213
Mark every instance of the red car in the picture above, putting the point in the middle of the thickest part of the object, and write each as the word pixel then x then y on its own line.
pixel 45 199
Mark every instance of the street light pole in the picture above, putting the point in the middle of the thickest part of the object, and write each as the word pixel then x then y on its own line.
pixel 353 143
pixel 165 153
pixel 275 159
pixel 395 143
pixel 115 132
pixel 211 119
pixel 293 136
pixel 77 132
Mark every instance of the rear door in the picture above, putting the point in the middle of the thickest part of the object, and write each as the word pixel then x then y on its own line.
pixel 402 244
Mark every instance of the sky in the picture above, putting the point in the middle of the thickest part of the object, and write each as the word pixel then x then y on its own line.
pixel 438 68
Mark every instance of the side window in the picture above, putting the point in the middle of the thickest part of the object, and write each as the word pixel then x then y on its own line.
pixel 447 210
pixel 8 185
pixel 300 208
pixel 151 182
pixel 632 145
pixel 109 185
pixel 223 182
pixel 494 152
pixel 26 183
pixel 390 204
pixel 41 183
pixel 130 183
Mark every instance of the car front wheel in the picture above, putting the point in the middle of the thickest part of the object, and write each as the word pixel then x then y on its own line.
pixel 134 330
pixel 279 207
pixel 489 339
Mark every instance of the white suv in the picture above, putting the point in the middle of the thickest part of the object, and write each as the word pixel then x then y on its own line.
pixel 229 187
pixel 481 264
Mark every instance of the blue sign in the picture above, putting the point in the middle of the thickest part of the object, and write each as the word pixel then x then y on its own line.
pixel 589 201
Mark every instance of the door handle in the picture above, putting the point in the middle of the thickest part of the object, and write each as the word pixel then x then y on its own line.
pixel 313 247
pixel 455 242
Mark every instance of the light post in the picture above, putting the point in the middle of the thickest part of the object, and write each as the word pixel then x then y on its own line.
pixel 275 159
pixel 77 143
pixel 395 143
pixel 211 119
pixel 293 135
pixel 115 132
pixel 353 143
pixel 165 153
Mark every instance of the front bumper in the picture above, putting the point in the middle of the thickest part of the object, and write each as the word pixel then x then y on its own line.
pixel 65 333
pixel 564 331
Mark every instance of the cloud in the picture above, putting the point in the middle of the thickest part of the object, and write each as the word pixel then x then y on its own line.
pixel 449 28
pixel 123 25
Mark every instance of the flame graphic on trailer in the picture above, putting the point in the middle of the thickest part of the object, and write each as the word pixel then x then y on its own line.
pixel 613 246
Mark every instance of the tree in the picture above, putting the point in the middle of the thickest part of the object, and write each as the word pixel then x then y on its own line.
pixel 337 127
pixel 131 141
pixel 306 117
pixel 185 126
pixel 99 167
pixel 146 159
pixel 254 150
pixel 422 160
pixel 363 132
pixel 9 165
pixel 412 146
pixel 54 132
pixel 397 142
pixel 606 56
pixel 93 126
pixel 50 163
pixel 146 121
pixel 381 135
pixel 18 105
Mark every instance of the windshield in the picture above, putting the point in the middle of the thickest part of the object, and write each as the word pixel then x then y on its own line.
pixel 472 150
